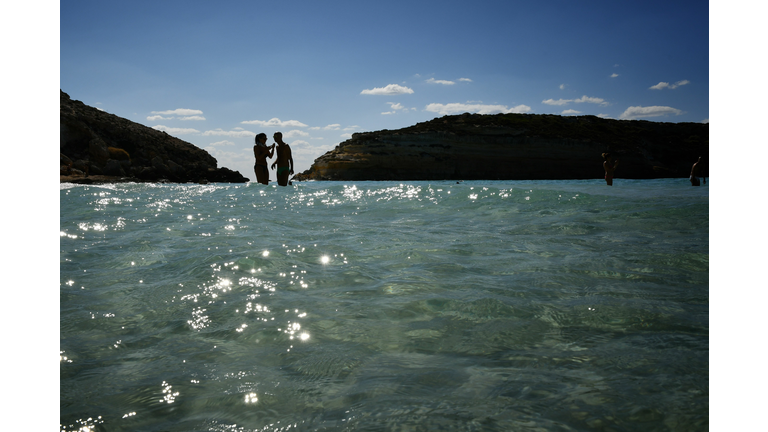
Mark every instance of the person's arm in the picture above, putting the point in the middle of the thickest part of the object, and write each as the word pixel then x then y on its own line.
pixel 290 159
pixel 277 159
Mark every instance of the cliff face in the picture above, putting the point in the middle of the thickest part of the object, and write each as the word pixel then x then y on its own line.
pixel 106 146
pixel 515 147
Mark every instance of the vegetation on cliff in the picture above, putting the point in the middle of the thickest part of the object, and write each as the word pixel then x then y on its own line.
pixel 515 147
pixel 97 146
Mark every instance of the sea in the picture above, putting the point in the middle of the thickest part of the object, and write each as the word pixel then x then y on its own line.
pixel 385 306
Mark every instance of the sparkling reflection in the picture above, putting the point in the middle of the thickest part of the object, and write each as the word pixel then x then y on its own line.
pixel 169 396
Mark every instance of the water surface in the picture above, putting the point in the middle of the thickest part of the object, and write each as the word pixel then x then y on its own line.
pixel 477 306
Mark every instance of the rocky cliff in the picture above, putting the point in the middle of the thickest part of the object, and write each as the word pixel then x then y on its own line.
pixel 515 147
pixel 96 146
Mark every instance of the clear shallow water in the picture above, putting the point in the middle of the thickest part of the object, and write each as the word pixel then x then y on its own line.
pixel 487 306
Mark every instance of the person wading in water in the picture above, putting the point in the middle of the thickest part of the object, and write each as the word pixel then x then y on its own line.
pixel 284 160
pixel 261 152
pixel 610 167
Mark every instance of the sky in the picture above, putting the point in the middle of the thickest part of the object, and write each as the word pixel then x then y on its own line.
pixel 217 73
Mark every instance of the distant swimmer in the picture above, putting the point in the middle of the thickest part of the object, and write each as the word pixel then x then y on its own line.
pixel 697 171
pixel 284 160
pixel 261 152
pixel 610 167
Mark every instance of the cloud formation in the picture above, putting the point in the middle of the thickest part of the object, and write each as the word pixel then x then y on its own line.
pixel 570 111
pixel 583 99
pixel 176 131
pixel 465 80
pixel 186 114
pixel 395 108
pixel 636 112
pixel 221 143
pixel 458 108
pixel 237 133
pixel 295 133
pixel 179 111
pixel 392 89
pixel 275 122
pixel 663 85
pixel 443 82
pixel 334 126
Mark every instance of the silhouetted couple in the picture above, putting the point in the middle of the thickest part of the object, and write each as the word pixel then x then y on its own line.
pixel 284 161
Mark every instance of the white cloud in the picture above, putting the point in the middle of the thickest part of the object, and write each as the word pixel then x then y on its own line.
pixel 392 89
pixel 593 100
pixel 444 82
pixel 233 160
pixel 176 131
pixel 180 111
pixel 465 80
pixel 295 133
pixel 303 148
pixel 605 116
pixel 221 143
pixel 159 117
pixel 346 135
pixel 352 128
pixel 395 108
pixel 192 118
pixel 556 102
pixel 570 111
pixel 233 133
pixel 614 75
pixel 562 86
pixel 636 112
pixel 663 85
pixel 458 108
pixel 275 122
pixel 706 121
pixel 334 126
pixel 583 99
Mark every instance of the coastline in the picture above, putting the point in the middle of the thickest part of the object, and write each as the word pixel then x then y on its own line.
pixel 103 179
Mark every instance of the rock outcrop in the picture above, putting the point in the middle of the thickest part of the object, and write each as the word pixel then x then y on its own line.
pixel 515 147
pixel 96 146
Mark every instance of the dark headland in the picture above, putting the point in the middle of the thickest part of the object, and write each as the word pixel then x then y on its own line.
pixel 110 149
pixel 515 147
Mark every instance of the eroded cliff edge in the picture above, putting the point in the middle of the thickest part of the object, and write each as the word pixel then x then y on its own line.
pixel 515 147
pixel 109 148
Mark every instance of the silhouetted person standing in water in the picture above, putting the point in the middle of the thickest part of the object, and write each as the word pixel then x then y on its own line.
pixel 261 152
pixel 284 160
pixel 697 171
pixel 610 167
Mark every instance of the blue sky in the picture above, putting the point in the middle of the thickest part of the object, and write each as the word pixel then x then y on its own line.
pixel 216 73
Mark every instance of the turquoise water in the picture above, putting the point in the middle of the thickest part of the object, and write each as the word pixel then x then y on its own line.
pixel 385 306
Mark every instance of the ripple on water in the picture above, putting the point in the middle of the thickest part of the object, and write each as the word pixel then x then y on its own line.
pixel 427 305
